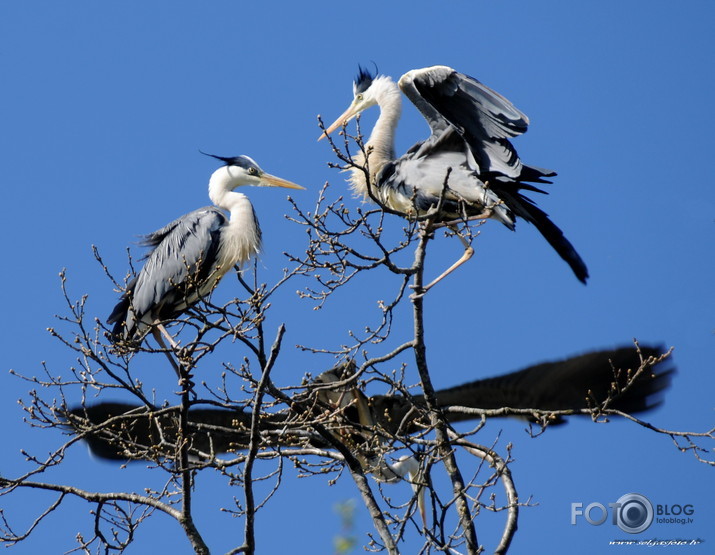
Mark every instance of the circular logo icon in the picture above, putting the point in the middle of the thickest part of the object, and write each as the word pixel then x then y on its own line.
pixel 634 514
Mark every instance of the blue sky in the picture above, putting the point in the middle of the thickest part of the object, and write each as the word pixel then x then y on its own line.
pixel 105 106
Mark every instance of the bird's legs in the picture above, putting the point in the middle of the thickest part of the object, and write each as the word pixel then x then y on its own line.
pixel 468 249
pixel 157 331
pixel 468 253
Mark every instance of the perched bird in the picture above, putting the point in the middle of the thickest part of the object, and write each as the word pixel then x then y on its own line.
pixel 190 255
pixel 468 150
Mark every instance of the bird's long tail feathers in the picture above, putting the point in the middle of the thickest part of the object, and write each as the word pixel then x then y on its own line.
pixel 526 209
pixel 118 318
pixel 121 317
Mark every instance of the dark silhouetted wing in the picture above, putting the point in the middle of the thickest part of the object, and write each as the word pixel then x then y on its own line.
pixel 575 383
pixel 122 431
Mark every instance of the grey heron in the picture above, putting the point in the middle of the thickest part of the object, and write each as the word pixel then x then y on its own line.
pixel 190 255
pixel 470 130
pixel 121 431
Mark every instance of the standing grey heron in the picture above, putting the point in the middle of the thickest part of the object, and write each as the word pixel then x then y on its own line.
pixel 468 149
pixel 191 254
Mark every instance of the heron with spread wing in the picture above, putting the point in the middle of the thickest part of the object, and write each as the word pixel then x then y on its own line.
pixel 191 254
pixel 468 150
pixel 626 379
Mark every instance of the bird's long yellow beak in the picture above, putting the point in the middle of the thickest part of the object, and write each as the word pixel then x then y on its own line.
pixel 345 117
pixel 272 181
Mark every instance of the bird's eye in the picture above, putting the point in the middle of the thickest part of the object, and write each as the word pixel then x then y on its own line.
pixel 252 171
pixel 359 97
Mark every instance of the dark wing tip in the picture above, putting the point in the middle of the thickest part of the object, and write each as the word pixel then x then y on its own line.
pixel 647 391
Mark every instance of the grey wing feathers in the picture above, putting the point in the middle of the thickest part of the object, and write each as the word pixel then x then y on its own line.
pixel 485 121
pixel 435 119
pixel 186 245
pixel 482 116
pixel 189 245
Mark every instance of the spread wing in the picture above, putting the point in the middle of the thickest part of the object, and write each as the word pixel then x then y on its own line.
pixel 575 383
pixel 485 121
pixel 482 116
pixel 121 431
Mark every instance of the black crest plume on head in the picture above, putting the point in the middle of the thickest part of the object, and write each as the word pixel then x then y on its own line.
pixel 242 161
pixel 363 80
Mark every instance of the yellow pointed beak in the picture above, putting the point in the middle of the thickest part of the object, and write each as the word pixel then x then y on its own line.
pixel 345 117
pixel 269 180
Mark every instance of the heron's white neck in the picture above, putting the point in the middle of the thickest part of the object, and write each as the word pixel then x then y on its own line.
pixel 241 237
pixel 221 193
pixel 381 144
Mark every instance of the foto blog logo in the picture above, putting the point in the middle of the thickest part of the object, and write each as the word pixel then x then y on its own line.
pixel 632 513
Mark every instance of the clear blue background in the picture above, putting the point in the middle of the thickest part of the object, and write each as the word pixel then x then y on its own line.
pixel 105 105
